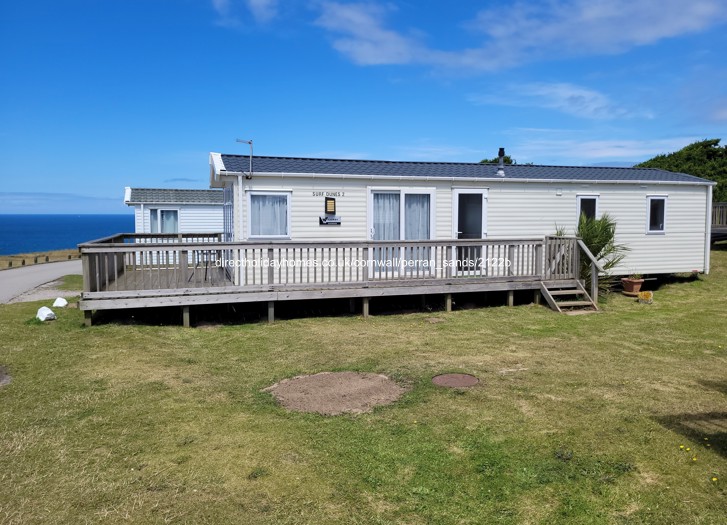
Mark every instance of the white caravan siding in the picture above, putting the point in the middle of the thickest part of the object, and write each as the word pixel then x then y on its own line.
pixel 514 209
pixel 535 209
pixel 193 218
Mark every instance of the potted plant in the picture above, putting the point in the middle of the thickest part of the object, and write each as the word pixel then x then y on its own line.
pixel 632 284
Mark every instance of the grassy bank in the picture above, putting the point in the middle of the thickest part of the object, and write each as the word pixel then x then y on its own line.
pixel 576 420
pixel 26 259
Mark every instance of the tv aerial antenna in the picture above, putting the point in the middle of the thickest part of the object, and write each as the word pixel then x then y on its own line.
pixel 249 173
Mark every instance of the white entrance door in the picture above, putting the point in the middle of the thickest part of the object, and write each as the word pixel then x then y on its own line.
pixel 469 211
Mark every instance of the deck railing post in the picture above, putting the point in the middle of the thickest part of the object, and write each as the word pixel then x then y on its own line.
pixel 539 260
pixel 594 282
pixel 271 267
pixel 546 257
pixel 86 263
pixel 448 263
pixel 183 267
pixel 366 262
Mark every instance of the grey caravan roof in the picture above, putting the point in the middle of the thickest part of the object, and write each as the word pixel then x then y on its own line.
pixel 453 170
pixel 173 196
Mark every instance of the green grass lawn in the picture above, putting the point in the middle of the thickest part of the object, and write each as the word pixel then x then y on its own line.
pixel 576 420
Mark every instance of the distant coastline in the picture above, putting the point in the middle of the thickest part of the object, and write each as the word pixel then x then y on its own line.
pixel 29 233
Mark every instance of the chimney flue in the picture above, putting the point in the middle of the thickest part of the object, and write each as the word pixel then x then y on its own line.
pixel 501 163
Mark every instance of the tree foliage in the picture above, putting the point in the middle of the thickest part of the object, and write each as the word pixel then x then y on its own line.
pixel 600 237
pixel 507 159
pixel 706 159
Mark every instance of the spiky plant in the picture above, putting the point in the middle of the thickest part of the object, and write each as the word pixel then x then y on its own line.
pixel 599 235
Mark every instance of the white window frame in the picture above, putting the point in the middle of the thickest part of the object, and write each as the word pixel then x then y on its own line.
pixel 455 208
pixel 287 194
pixel 582 196
pixel 402 191
pixel 649 199
pixel 157 212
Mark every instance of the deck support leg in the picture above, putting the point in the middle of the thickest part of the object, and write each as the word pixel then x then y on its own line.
pixel 352 306
pixel 536 297
pixel 510 297
pixel 271 311
pixel 448 302
pixel 424 302
pixel 88 317
pixel 185 317
pixel 365 307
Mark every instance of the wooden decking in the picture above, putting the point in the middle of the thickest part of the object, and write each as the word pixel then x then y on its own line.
pixel 131 271
pixel 719 221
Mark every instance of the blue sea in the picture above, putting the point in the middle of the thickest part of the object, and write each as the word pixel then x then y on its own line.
pixel 40 233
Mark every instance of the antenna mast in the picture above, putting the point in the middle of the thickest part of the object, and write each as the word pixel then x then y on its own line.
pixel 249 174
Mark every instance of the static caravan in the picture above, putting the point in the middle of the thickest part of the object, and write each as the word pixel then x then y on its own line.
pixel 664 218
pixel 176 211
pixel 302 229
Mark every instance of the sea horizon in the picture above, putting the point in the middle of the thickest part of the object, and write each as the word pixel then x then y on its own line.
pixel 42 232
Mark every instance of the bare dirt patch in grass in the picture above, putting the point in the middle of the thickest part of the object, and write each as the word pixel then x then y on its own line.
pixel 334 393
pixel 4 377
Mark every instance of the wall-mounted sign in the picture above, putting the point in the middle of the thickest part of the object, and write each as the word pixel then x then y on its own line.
pixel 329 193
pixel 329 220
pixel 330 206
pixel 330 217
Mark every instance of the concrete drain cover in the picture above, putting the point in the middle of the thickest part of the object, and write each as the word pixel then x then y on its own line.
pixel 455 380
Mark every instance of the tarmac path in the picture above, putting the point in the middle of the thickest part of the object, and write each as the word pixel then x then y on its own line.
pixel 16 281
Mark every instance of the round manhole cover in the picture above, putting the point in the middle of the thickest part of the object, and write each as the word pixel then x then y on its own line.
pixel 455 380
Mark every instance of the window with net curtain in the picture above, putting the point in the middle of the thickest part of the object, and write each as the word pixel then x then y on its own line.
pixel 164 221
pixel 269 215
pixel 387 216
pixel 387 223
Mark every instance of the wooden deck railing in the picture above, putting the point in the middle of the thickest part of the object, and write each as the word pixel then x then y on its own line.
pixel 133 262
pixel 719 214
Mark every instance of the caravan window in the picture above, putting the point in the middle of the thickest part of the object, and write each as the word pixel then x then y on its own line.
pixel 164 221
pixel 588 206
pixel 269 214
pixel 656 214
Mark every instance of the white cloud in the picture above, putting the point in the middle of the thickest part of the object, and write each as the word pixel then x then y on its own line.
pixel 522 31
pixel 720 114
pixel 221 6
pixel 334 154
pixel 567 98
pixel 263 10
pixel 365 41
pixel 428 151
pixel 576 151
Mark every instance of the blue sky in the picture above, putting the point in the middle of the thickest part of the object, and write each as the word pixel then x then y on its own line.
pixel 98 95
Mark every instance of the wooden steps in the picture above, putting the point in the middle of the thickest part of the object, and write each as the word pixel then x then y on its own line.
pixel 569 297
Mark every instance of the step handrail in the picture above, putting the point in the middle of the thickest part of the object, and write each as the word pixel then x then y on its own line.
pixel 595 268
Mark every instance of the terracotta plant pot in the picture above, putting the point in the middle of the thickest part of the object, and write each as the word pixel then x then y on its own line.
pixel 631 286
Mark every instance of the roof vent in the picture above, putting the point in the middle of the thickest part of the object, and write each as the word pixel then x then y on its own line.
pixel 501 163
